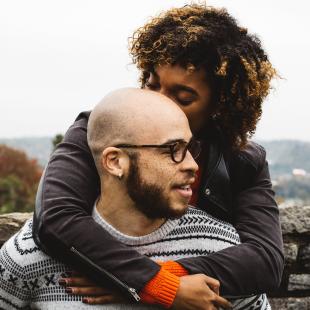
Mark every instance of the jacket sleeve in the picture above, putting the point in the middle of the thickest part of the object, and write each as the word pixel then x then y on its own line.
pixel 62 220
pixel 256 265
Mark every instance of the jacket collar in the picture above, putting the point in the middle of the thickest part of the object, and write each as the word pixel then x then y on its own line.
pixel 216 195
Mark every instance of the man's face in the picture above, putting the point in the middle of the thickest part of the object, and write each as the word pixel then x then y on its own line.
pixel 160 187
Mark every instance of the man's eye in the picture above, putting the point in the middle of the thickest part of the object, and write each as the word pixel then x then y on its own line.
pixel 179 147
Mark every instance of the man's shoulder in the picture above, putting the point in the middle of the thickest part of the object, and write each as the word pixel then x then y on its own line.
pixel 193 212
pixel 20 252
pixel 197 234
pixel 201 221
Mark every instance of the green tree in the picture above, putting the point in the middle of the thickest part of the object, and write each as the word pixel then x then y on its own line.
pixel 56 140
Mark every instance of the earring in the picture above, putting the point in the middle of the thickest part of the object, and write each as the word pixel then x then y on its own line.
pixel 120 176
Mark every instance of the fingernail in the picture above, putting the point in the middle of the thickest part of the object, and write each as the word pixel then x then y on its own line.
pixel 69 290
pixel 62 282
pixel 85 300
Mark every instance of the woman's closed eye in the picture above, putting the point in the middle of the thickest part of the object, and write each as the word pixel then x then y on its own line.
pixel 185 98
pixel 185 102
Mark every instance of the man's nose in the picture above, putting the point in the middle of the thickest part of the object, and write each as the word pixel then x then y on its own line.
pixel 189 163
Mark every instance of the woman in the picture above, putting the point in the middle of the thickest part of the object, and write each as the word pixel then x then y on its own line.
pixel 219 75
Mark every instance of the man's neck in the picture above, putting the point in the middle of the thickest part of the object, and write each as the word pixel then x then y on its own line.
pixel 125 217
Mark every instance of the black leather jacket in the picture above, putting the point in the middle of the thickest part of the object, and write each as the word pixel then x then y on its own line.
pixel 236 187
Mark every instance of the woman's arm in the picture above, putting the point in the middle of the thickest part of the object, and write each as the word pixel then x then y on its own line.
pixel 256 265
pixel 62 221
pixel 63 227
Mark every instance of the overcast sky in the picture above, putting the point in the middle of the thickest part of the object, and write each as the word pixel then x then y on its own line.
pixel 60 57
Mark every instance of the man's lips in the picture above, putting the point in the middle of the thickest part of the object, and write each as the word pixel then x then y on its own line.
pixel 184 189
pixel 185 192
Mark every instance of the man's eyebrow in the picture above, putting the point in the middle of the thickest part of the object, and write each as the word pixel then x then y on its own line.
pixel 171 141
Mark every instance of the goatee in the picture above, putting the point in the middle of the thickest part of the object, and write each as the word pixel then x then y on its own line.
pixel 149 198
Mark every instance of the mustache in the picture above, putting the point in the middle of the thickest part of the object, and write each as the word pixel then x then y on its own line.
pixel 189 177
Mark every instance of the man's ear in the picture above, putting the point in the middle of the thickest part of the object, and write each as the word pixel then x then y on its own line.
pixel 114 161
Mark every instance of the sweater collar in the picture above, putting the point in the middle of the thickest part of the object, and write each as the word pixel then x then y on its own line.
pixel 154 236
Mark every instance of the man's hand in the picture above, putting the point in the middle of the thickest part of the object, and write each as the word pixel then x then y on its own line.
pixel 199 292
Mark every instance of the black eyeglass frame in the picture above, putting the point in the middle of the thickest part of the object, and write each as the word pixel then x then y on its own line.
pixel 171 147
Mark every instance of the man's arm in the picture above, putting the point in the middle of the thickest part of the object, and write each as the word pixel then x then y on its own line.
pixel 256 265
pixel 12 293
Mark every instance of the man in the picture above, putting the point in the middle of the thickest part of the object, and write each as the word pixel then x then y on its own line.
pixel 147 158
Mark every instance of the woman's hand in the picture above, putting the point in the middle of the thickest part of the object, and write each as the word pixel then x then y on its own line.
pixel 78 284
pixel 199 292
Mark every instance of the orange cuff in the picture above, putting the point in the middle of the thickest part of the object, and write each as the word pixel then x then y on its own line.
pixel 161 289
pixel 174 267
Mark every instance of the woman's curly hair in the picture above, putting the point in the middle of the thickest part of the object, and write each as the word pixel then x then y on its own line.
pixel 237 68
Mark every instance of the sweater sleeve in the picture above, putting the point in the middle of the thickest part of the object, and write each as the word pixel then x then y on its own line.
pixel 12 293
pixel 256 265
pixel 62 221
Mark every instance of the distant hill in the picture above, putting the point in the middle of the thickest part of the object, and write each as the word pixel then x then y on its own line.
pixel 38 148
pixel 283 155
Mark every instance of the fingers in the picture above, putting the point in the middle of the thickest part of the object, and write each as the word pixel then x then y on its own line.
pixel 222 302
pixel 89 291
pixel 212 283
pixel 107 299
pixel 76 281
pixel 73 273
pixel 83 286
pixel 77 284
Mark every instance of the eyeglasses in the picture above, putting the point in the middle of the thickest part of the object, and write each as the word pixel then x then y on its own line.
pixel 177 149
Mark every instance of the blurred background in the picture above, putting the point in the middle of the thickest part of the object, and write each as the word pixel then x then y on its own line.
pixel 58 58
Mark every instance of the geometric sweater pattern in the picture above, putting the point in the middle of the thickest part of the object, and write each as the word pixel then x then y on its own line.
pixel 29 278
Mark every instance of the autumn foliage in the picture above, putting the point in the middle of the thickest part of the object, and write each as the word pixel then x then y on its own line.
pixel 19 178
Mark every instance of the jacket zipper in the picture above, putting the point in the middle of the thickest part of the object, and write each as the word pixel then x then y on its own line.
pixel 130 290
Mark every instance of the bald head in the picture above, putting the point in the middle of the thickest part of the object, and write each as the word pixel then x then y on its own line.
pixel 132 116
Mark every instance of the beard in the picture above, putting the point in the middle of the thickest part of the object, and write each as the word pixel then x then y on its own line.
pixel 148 198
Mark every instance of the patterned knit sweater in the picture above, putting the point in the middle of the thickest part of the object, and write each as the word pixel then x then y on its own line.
pixel 29 278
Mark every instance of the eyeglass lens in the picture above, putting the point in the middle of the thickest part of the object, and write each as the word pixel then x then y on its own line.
pixel 180 149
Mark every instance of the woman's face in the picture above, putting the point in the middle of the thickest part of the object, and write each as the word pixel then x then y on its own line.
pixel 189 89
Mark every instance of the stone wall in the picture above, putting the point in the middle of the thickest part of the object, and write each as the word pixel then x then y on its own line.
pixel 294 292
pixel 10 224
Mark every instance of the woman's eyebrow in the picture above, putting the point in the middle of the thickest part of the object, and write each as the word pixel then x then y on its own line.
pixel 176 87
pixel 181 87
